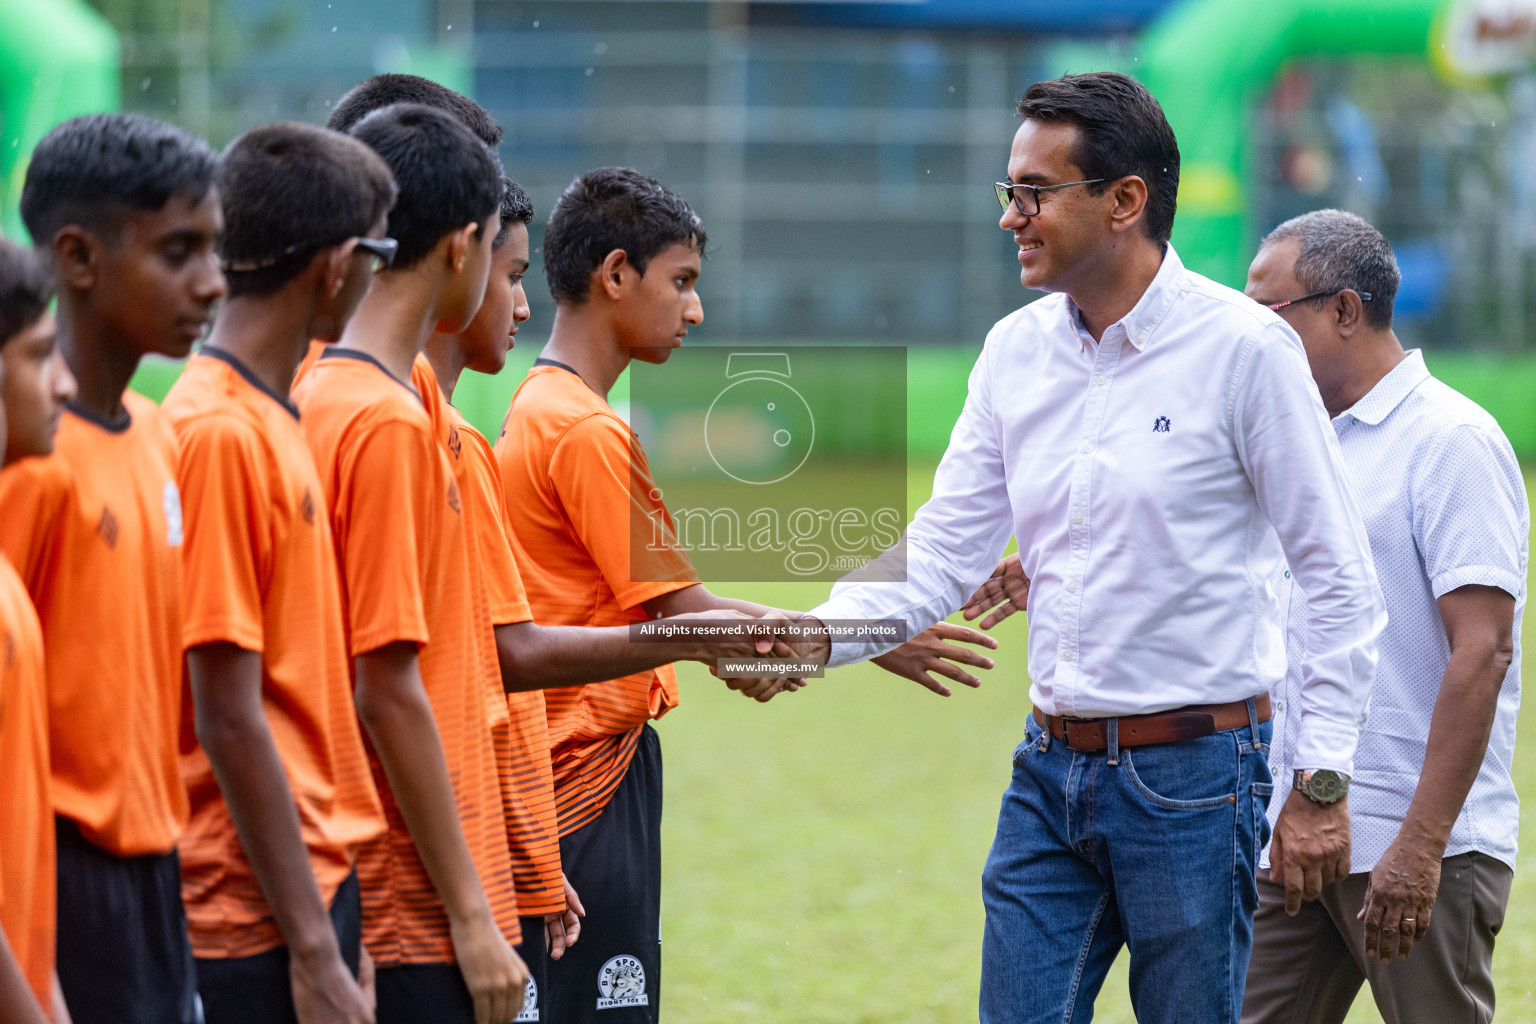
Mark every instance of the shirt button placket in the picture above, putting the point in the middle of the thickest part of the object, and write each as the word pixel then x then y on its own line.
pixel 1095 401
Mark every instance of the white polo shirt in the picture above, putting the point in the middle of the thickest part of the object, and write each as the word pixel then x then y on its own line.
pixel 1444 506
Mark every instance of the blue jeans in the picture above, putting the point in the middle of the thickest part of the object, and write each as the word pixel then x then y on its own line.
pixel 1154 848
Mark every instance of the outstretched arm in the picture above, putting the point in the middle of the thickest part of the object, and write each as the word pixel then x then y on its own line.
pixel 535 657
pixel 951 546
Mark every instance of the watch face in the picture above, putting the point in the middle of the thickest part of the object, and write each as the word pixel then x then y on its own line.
pixel 759 430
pixel 1327 786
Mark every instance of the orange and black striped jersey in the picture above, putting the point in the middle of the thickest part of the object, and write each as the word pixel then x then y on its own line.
pixel 522 730
pixel 404 549
pixel 26 814
pixel 95 532
pixel 261 574
pixel 574 474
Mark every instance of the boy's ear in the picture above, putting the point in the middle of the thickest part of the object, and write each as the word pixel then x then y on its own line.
pixel 334 275
pixel 610 274
pixel 77 257
pixel 459 243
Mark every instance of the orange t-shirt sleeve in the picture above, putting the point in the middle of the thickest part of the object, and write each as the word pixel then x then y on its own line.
pixel 228 534
pixel 33 496
pixel 503 580
pixel 602 487
pixel 383 516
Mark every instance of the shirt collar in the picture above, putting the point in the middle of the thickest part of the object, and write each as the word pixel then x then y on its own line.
pixel 1142 321
pixel 1390 391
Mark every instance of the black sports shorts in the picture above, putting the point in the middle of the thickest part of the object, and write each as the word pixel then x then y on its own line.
pixel 436 993
pixel 123 953
pixel 256 989
pixel 613 973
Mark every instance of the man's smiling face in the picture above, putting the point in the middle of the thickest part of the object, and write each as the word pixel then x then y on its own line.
pixel 1056 243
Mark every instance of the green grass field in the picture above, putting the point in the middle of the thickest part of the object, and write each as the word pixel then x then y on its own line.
pixel 824 851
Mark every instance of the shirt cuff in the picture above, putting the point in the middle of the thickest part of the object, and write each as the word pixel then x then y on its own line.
pixel 1325 744
pixel 844 652
pixel 1476 575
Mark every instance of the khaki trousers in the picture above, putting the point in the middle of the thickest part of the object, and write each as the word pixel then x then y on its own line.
pixel 1308 969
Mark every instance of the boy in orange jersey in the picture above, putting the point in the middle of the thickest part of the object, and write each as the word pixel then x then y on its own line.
pixel 530 657
pixel 34 385
pixel 280 788
pixel 622 254
pixel 126 209
pixel 439 910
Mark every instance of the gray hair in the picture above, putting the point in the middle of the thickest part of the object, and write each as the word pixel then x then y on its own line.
pixel 1341 250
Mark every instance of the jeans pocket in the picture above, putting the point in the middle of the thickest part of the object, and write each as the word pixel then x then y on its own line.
pixel 1172 774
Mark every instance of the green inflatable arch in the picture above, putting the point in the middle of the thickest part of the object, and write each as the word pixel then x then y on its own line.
pixel 1210 61
pixel 58 59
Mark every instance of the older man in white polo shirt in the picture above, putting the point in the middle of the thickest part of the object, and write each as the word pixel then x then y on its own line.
pixel 1155 442
pixel 1432 805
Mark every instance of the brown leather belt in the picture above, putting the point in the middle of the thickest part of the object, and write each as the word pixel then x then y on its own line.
pixel 1186 723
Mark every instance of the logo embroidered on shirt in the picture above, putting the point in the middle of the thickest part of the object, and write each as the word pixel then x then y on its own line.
pixel 171 499
pixel 1162 425
pixel 454 444
pixel 453 495
pixel 106 526
pixel 307 507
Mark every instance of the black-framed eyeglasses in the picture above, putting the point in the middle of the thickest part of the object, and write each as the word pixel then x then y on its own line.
pixel 381 250
pixel 1027 197
pixel 1277 306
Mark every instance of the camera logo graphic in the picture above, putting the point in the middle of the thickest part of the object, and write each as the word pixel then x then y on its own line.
pixel 759 429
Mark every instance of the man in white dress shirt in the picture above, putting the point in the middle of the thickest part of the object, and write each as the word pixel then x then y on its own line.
pixel 1434 811
pixel 1155 443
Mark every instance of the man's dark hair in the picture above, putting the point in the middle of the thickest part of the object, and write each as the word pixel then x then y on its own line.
pixel 382 91
pixel 1341 250
pixel 90 170
pixel 607 209
pixel 1122 131
pixel 516 208
pixel 447 178
pixel 289 190
pixel 26 287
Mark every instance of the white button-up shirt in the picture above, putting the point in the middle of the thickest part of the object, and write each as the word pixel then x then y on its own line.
pixel 1152 480
pixel 1444 507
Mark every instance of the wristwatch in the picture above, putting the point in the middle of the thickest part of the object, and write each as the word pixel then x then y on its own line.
pixel 1323 786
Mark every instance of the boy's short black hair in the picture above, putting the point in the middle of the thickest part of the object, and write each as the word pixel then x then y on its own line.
pixel 1122 131
pixel 90 169
pixel 382 91
pixel 446 177
pixel 607 209
pixel 516 208
pixel 289 190
pixel 26 287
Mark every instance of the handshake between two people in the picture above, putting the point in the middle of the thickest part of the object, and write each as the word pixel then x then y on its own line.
pixel 763 656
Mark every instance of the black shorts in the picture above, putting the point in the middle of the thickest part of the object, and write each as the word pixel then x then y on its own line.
pixel 613 973
pixel 436 993
pixel 535 953
pixel 123 953
pixel 256 989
